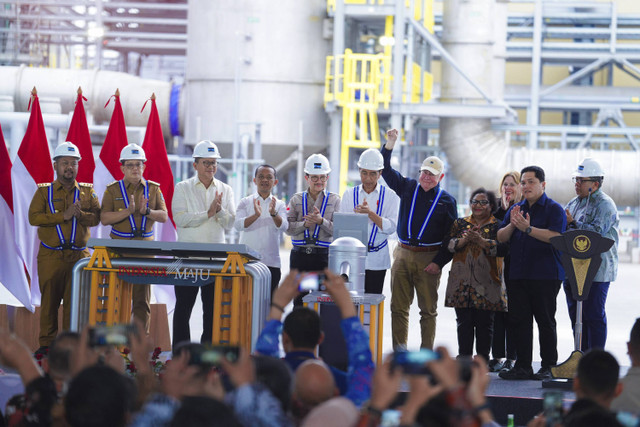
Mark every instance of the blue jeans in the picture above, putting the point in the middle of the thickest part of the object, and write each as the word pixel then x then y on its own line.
pixel 594 318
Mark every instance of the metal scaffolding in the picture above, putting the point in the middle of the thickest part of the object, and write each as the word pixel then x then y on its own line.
pixel 111 35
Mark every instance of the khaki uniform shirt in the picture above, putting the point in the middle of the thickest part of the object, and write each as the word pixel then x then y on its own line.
pixel 296 223
pixel 112 201
pixel 40 215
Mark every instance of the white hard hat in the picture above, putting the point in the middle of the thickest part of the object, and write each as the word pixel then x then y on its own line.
pixel 132 152
pixel 371 159
pixel 317 164
pixel 67 149
pixel 206 150
pixel 588 168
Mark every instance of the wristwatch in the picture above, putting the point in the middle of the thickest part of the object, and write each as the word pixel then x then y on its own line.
pixel 528 230
pixel 147 212
pixel 275 214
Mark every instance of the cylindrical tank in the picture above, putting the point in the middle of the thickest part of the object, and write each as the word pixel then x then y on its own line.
pixel 475 39
pixel 347 256
pixel 273 56
pixel 57 91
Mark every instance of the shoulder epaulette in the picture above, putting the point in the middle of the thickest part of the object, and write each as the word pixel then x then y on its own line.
pixel 153 182
pixel 114 182
pixel 44 184
pixel 85 184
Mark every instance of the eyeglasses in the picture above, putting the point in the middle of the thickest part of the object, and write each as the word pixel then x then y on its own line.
pixel 133 165
pixel 208 164
pixel 315 178
pixel 577 180
pixel 265 177
pixel 480 202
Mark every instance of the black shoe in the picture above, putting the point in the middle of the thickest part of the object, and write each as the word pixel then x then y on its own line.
pixel 507 365
pixel 542 374
pixel 516 374
pixel 42 351
pixel 495 365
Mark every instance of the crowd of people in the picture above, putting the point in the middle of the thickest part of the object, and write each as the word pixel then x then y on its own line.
pixel 83 383
pixel 504 274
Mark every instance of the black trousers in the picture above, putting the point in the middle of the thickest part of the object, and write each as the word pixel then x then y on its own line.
pixel 473 322
pixel 531 299
pixel 504 337
pixel 307 262
pixel 374 281
pixel 504 334
pixel 185 298
pixel 275 278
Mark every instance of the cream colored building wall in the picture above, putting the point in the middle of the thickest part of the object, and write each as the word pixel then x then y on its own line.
pixel 518 73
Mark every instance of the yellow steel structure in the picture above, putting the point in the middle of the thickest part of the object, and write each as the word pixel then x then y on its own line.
pixel 360 84
pixel 110 300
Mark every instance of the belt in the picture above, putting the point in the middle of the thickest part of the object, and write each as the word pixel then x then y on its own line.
pixel 309 250
pixel 420 248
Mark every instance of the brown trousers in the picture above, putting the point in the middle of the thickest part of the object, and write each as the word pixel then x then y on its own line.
pixel 54 272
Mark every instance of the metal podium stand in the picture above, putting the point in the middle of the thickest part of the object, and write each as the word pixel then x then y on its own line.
pixel 581 259
pixel 370 309
pixel 101 285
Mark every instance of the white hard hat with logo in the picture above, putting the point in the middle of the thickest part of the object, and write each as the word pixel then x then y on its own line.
pixel 206 150
pixel 67 149
pixel 371 159
pixel 317 164
pixel 132 152
pixel 589 167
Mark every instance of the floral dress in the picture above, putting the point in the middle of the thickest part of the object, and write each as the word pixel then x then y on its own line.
pixel 476 278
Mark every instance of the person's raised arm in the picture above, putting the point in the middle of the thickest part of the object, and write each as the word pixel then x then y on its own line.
pixel 336 288
pixel 284 294
pixel 15 354
pixel 392 137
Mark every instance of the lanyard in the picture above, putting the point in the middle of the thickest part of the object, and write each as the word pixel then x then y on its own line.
pixel 427 218
pixel 379 204
pixel 74 222
pixel 132 222
pixel 316 230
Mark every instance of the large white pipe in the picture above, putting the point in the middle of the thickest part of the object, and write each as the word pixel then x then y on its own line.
pixel 479 156
pixel 97 86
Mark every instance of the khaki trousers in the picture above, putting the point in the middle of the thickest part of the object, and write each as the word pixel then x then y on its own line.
pixel 54 277
pixel 407 275
pixel 141 306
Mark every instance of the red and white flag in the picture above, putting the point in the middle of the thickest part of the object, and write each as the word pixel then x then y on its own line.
pixel 80 136
pixel 158 169
pixel 31 167
pixel 12 275
pixel 108 163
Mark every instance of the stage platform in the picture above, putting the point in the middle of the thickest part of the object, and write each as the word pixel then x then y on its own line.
pixel 523 399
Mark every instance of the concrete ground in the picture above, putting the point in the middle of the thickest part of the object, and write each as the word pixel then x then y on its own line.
pixel 623 307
